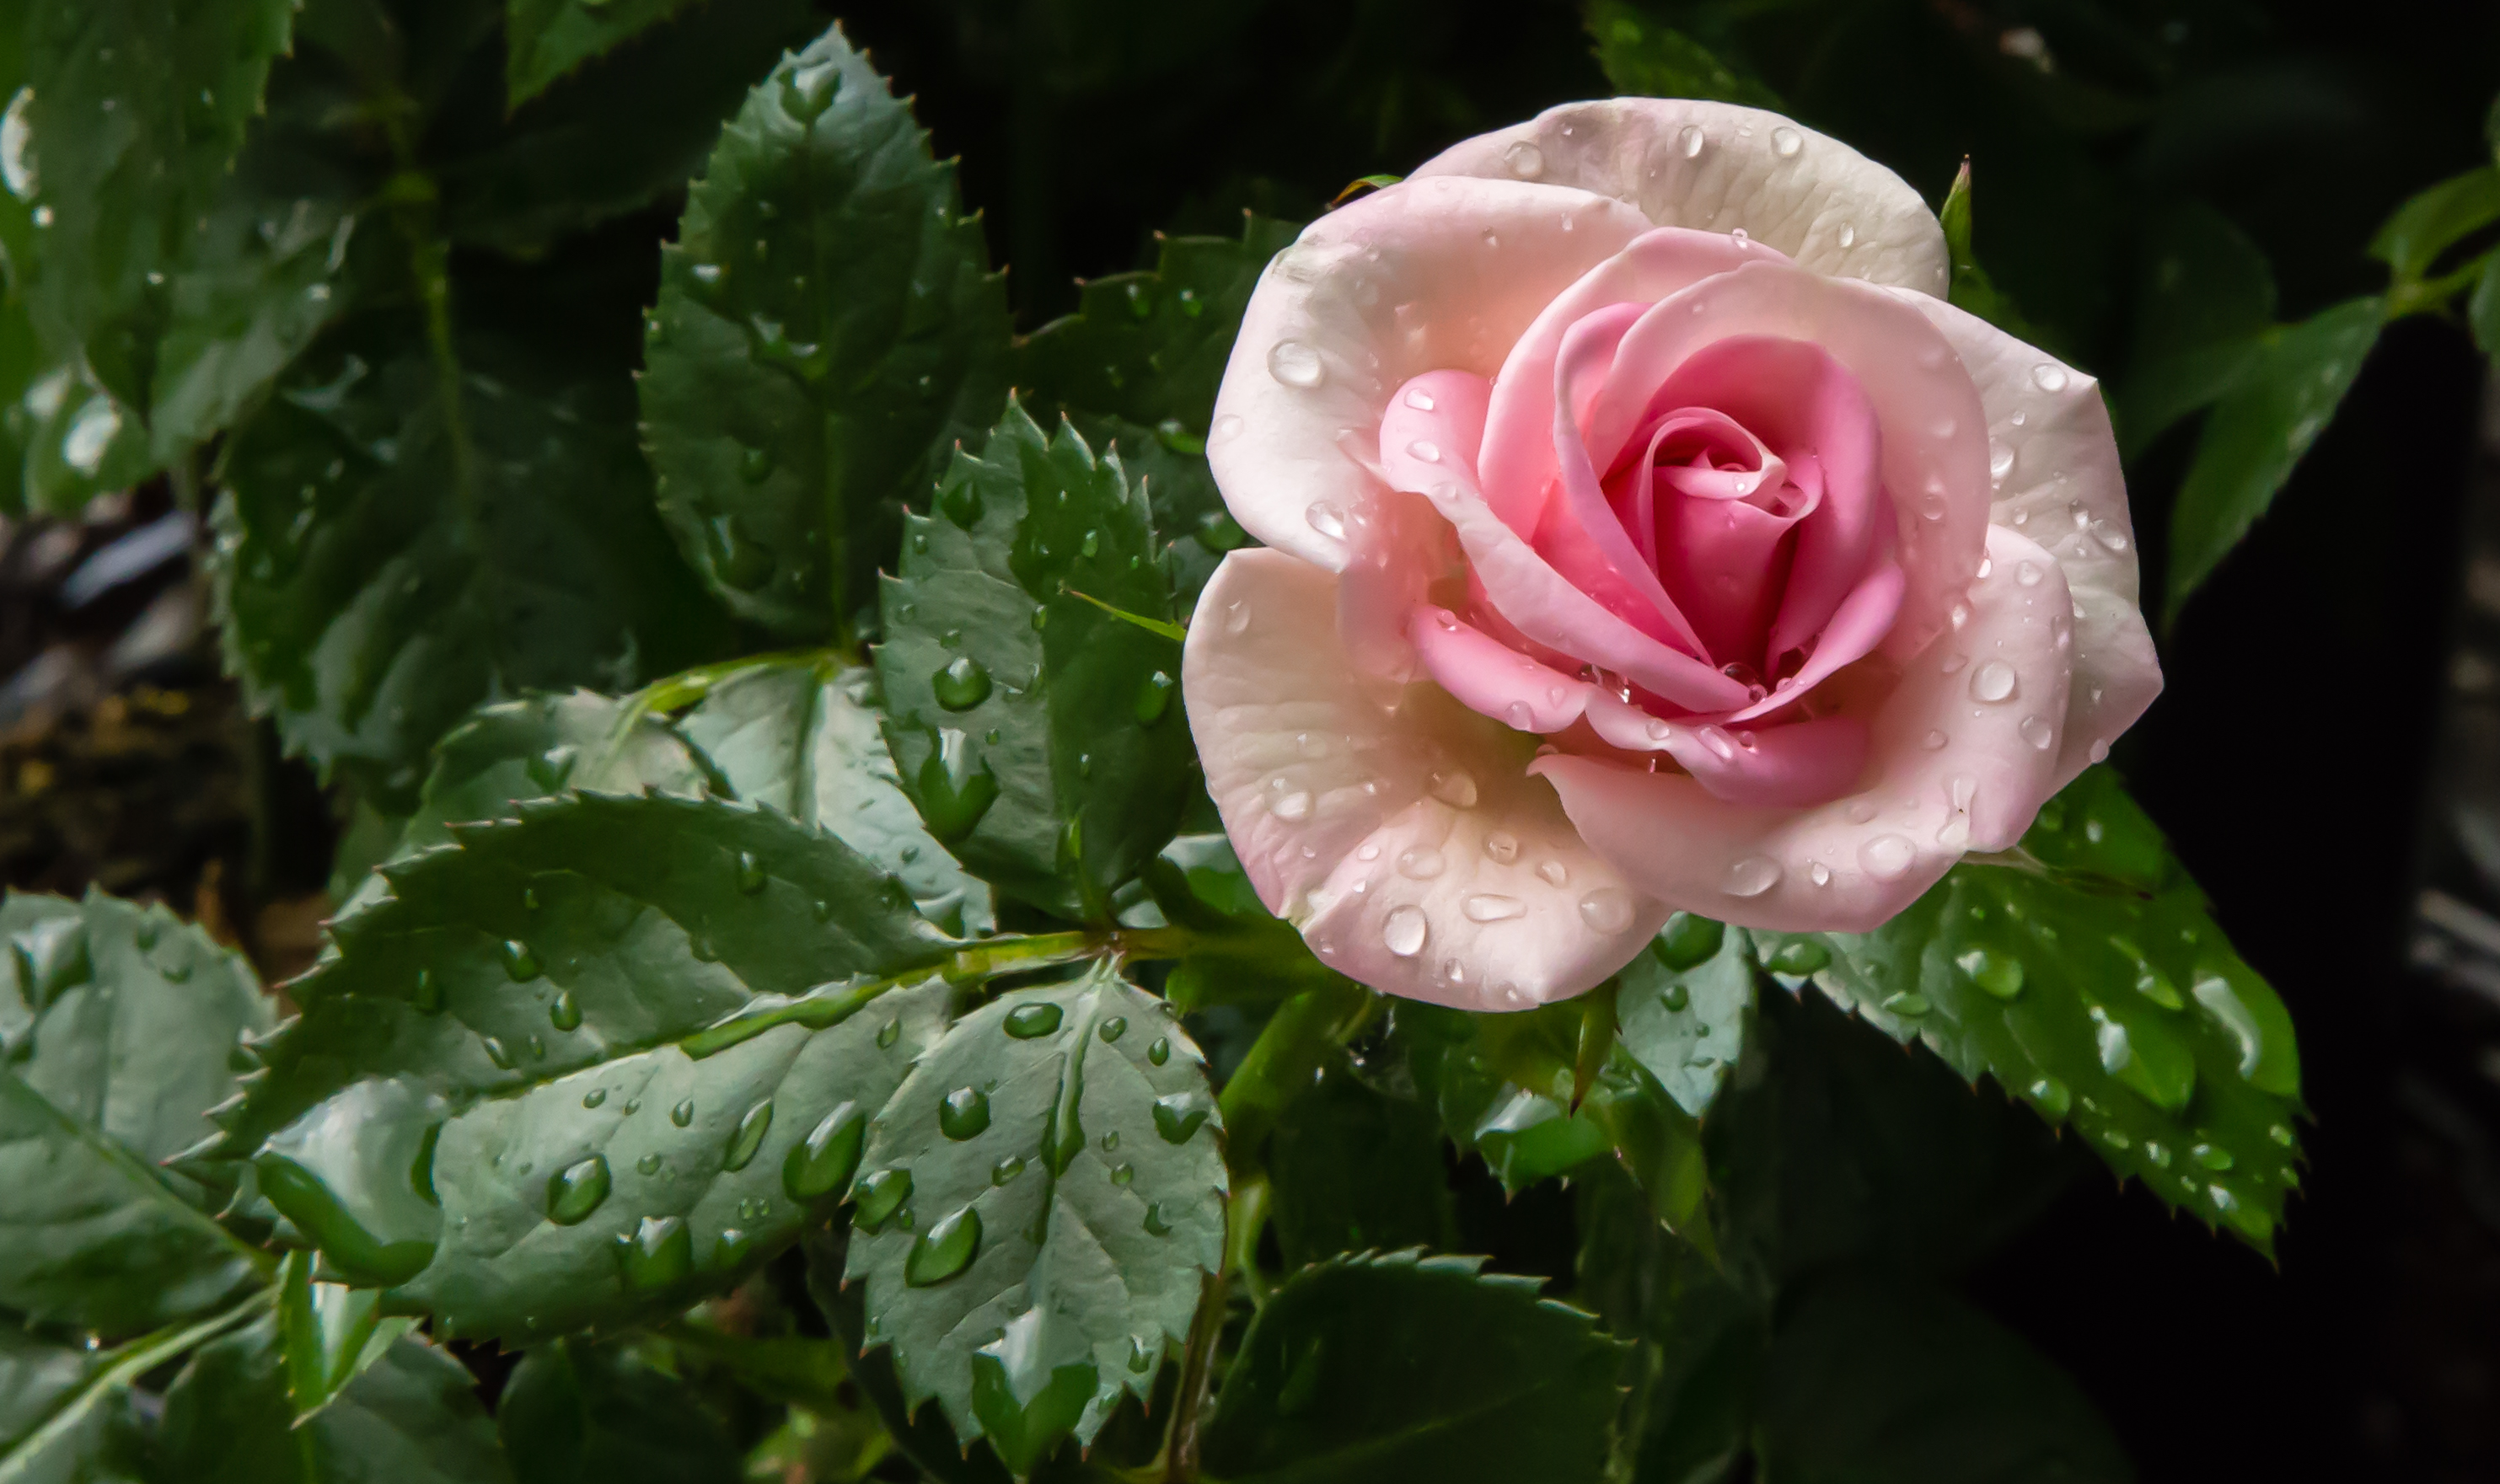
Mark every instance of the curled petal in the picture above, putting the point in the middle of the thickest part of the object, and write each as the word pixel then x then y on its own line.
pixel 2055 468
pixel 1432 417
pixel 1420 277
pixel 1792 766
pixel 1492 679
pixel 1721 168
pixel 1397 830
pixel 1961 756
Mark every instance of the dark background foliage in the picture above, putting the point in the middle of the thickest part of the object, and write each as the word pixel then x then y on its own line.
pixel 2290 760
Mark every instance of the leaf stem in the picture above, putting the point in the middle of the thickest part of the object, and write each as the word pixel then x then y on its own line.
pixel 133 1361
pixel 1197 1366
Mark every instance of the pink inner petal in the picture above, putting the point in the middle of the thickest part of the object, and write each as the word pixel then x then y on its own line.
pixel 1491 678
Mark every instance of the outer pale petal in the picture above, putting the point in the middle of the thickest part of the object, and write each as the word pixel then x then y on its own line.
pixel 1948 772
pixel 1715 166
pixel 1426 275
pixel 1328 782
pixel 2056 467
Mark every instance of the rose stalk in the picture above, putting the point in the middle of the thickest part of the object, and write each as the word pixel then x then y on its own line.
pixel 1644 531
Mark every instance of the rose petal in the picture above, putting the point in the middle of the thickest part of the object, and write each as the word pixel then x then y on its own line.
pixel 1517 459
pixel 1396 548
pixel 1427 275
pixel 1492 679
pixel 1716 166
pixel 1951 771
pixel 1790 766
pixel 2062 486
pixel 1934 439
pixel 1527 590
pixel 1326 782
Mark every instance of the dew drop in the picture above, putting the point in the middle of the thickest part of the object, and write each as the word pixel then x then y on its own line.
pixel 879 1196
pixel 1294 364
pixel 1154 696
pixel 2049 378
pixel 648 1165
pixel 1292 806
pixel 1752 876
pixel 2000 462
pixel 1907 1003
pixel 1113 1029
pixel 1552 872
pixel 964 1114
pixel 1502 846
pixel 822 1163
pixel 575 1191
pixel 2053 1098
pixel 1785 143
pixel 427 996
pixel 1327 519
pixel 1455 787
pixel 750 873
pixel 888 1033
pixel 1178 1117
pixel 1819 873
pixel 683 1113
pixel 749 1136
pixel 659 1254
pixel 1420 399
pixel 1524 159
pixel 2109 535
pixel 1997 974
pixel 1160 1052
pixel 2212 1156
pixel 1692 140
pixel 1608 911
pixel 2037 731
pixel 565 1013
pixel 962 686
pixel 1031 1021
pixel 1934 741
pixel 1887 857
pixel 1424 450
pixel 1490 907
pixel 1405 931
pixel 595 1097
pixel 1157 1224
pixel 519 963
pixel 1224 429
pixel 1993 682
pixel 1006 1170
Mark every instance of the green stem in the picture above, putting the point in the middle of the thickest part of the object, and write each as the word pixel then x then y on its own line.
pixel 1197 1366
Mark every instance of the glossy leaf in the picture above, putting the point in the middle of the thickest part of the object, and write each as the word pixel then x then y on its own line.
pixel 1041 737
pixel 328 1332
pixel 795 733
pixel 579 1413
pixel 921 1434
pixel 505 1097
pixel 2097 987
pixel 2258 431
pixel 1685 1006
pixel 1645 57
pixel 2204 305
pixel 1874 1382
pixel 410 1417
pixel 1404 1367
pixel 550 38
pixel 1039 1204
pixel 117 1024
pixel 137 111
pixel 2434 220
pixel 386 560
pixel 1354 1169
pixel 827 329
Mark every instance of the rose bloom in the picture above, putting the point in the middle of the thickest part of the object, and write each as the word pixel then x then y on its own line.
pixel 1642 532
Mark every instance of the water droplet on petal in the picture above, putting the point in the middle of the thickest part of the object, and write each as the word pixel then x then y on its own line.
pixel 1420 399
pixel 1786 141
pixel 1502 846
pixel 1420 863
pixel 1455 787
pixel 1327 519
pixel 2037 731
pixel 1552 872
pixel 1294 364
pixel 2049 378
pixel 1292 806
pixel 1608 911
pixel 1224 429
pixel 1524 159
pixel 1993 682
pixel 1692 140
pixel 1425 451
pixel 2000 461
pixel 1934 741
pixel 1406 930
pixel 1887 857
pixel 1487 907
pixel 1752 876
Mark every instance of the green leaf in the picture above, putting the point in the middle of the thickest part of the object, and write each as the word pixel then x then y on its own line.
pixel 1697 1338
pixel 2204 304
pixel 2093 984
pixel 1043 1196
pixel 1040 736
pixel 550 38
pixel 1685 1006
pixel 385 560
pixel 2258 431
pixel 1969 287
pixel 1414 1368
pixel 1871 1382
pixel 1645 58
pixel 609 138
pixel 498 1101
pixel 922 1435
pixel 2482 311
pixel 827 329
pixel 329 1333
pixel 795 733
pixel 2433 221
pixel 410 1417
pixel 574 1413
pixel 137 111
pixel 118 1023
pixel 1354 1169
pixel 70 1416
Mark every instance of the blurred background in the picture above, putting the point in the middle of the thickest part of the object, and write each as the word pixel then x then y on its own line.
pixel 2326 757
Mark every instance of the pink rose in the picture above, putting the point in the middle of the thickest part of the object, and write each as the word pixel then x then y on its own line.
pixel 1644 531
